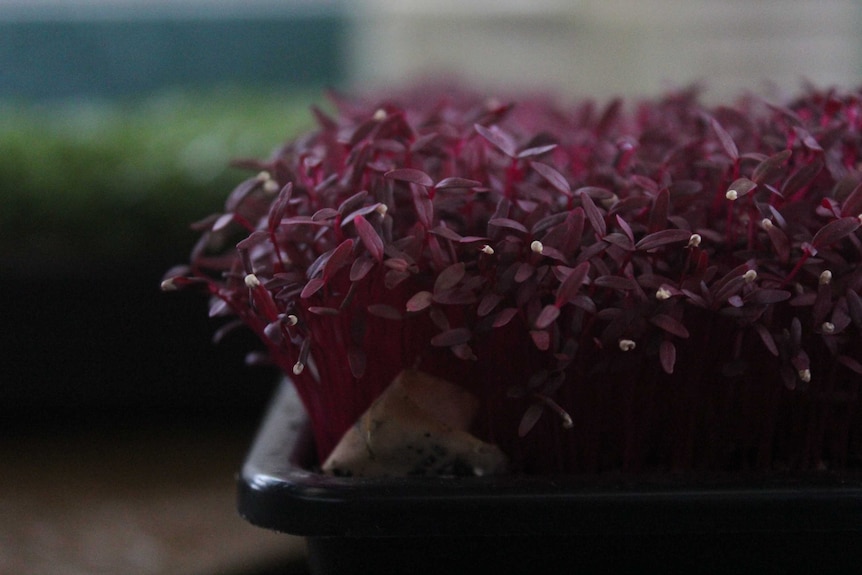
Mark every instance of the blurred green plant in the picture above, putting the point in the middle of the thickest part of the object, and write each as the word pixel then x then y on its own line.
pixel 84 180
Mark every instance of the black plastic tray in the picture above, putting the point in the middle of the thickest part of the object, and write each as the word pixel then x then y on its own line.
pixel 514 524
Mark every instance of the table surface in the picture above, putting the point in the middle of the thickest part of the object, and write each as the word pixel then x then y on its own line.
pixel 146 501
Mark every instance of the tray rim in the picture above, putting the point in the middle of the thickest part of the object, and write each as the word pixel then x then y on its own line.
pixel 276 491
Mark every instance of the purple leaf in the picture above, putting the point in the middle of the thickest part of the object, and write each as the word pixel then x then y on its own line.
pixel 424 141
pixel 766 338
pixel 525 270
pixel 644 182
pixel 473 239
pixel 696 299
pixel 663 238
pixel 352 203
pixel 788 114
pixel 361 132
pixel 394 277
pixel 530 418
pixel 789 377
pixel 449 277
pixel 451 337
pixel 669 324
pixel 850 363
pixel 316 266
pixel 626 228
pixel 740 187
pixel 575 221
pixel 796 332
pixel 505 316
pixel 840 318
pixel 384 311
pixel 412 176
pixel 322 310
pixel 548 315
pixel 804 299
pixel 463 351
pixel 536 151
pixel 660 211
pixel 323 119
pixel 768 296
pixel 488 302
pixel 302 221
pixel 499 139
pixel 274 333
pixel 279 207
pixel 508 223
pixel 780 242
pixel 725 290
pixel 370 239
pixel 726 141
pixel 609 116
pixel 805 136
pixel 446 232
pixel 801 360
pixel 324 214
pixel 585 303
pixel 456 296
pixel 734 301
pixel 205 224
pixel 253 240
pixel 667 355
pixel 228 328
pixel 362 211
pixel 572 284
pixel 593 213
pixel 554 253
pixel 555 178
pixel 541 339
pixel 437 255
pixel 822 303
pixel 615 282
pixel 311 288
pixel 766 169
pixel 339 258
pixel 456 183
pixel 419 301
pixel 620 240
pixel 223 221
pixel 801 178
pixel 240 193
pixel 357 361
pixel 360 268
pixel 439 318
pixel 218 307
pixel 854 308
pixel 834 231
pixel 397 263
pixel 852 205
pixel 423 205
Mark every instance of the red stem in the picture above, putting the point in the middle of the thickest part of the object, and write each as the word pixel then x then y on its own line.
pixel 805 255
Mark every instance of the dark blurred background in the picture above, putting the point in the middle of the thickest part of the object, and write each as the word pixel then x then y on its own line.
pixel 118 124
pixel 121 423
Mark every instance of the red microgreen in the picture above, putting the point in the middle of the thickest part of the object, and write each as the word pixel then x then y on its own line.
pixel 679 283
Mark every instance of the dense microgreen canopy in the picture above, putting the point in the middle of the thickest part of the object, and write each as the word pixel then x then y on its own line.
pixel 672 285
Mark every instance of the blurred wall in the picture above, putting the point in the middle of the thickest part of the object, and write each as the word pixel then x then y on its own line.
pixel 604 47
